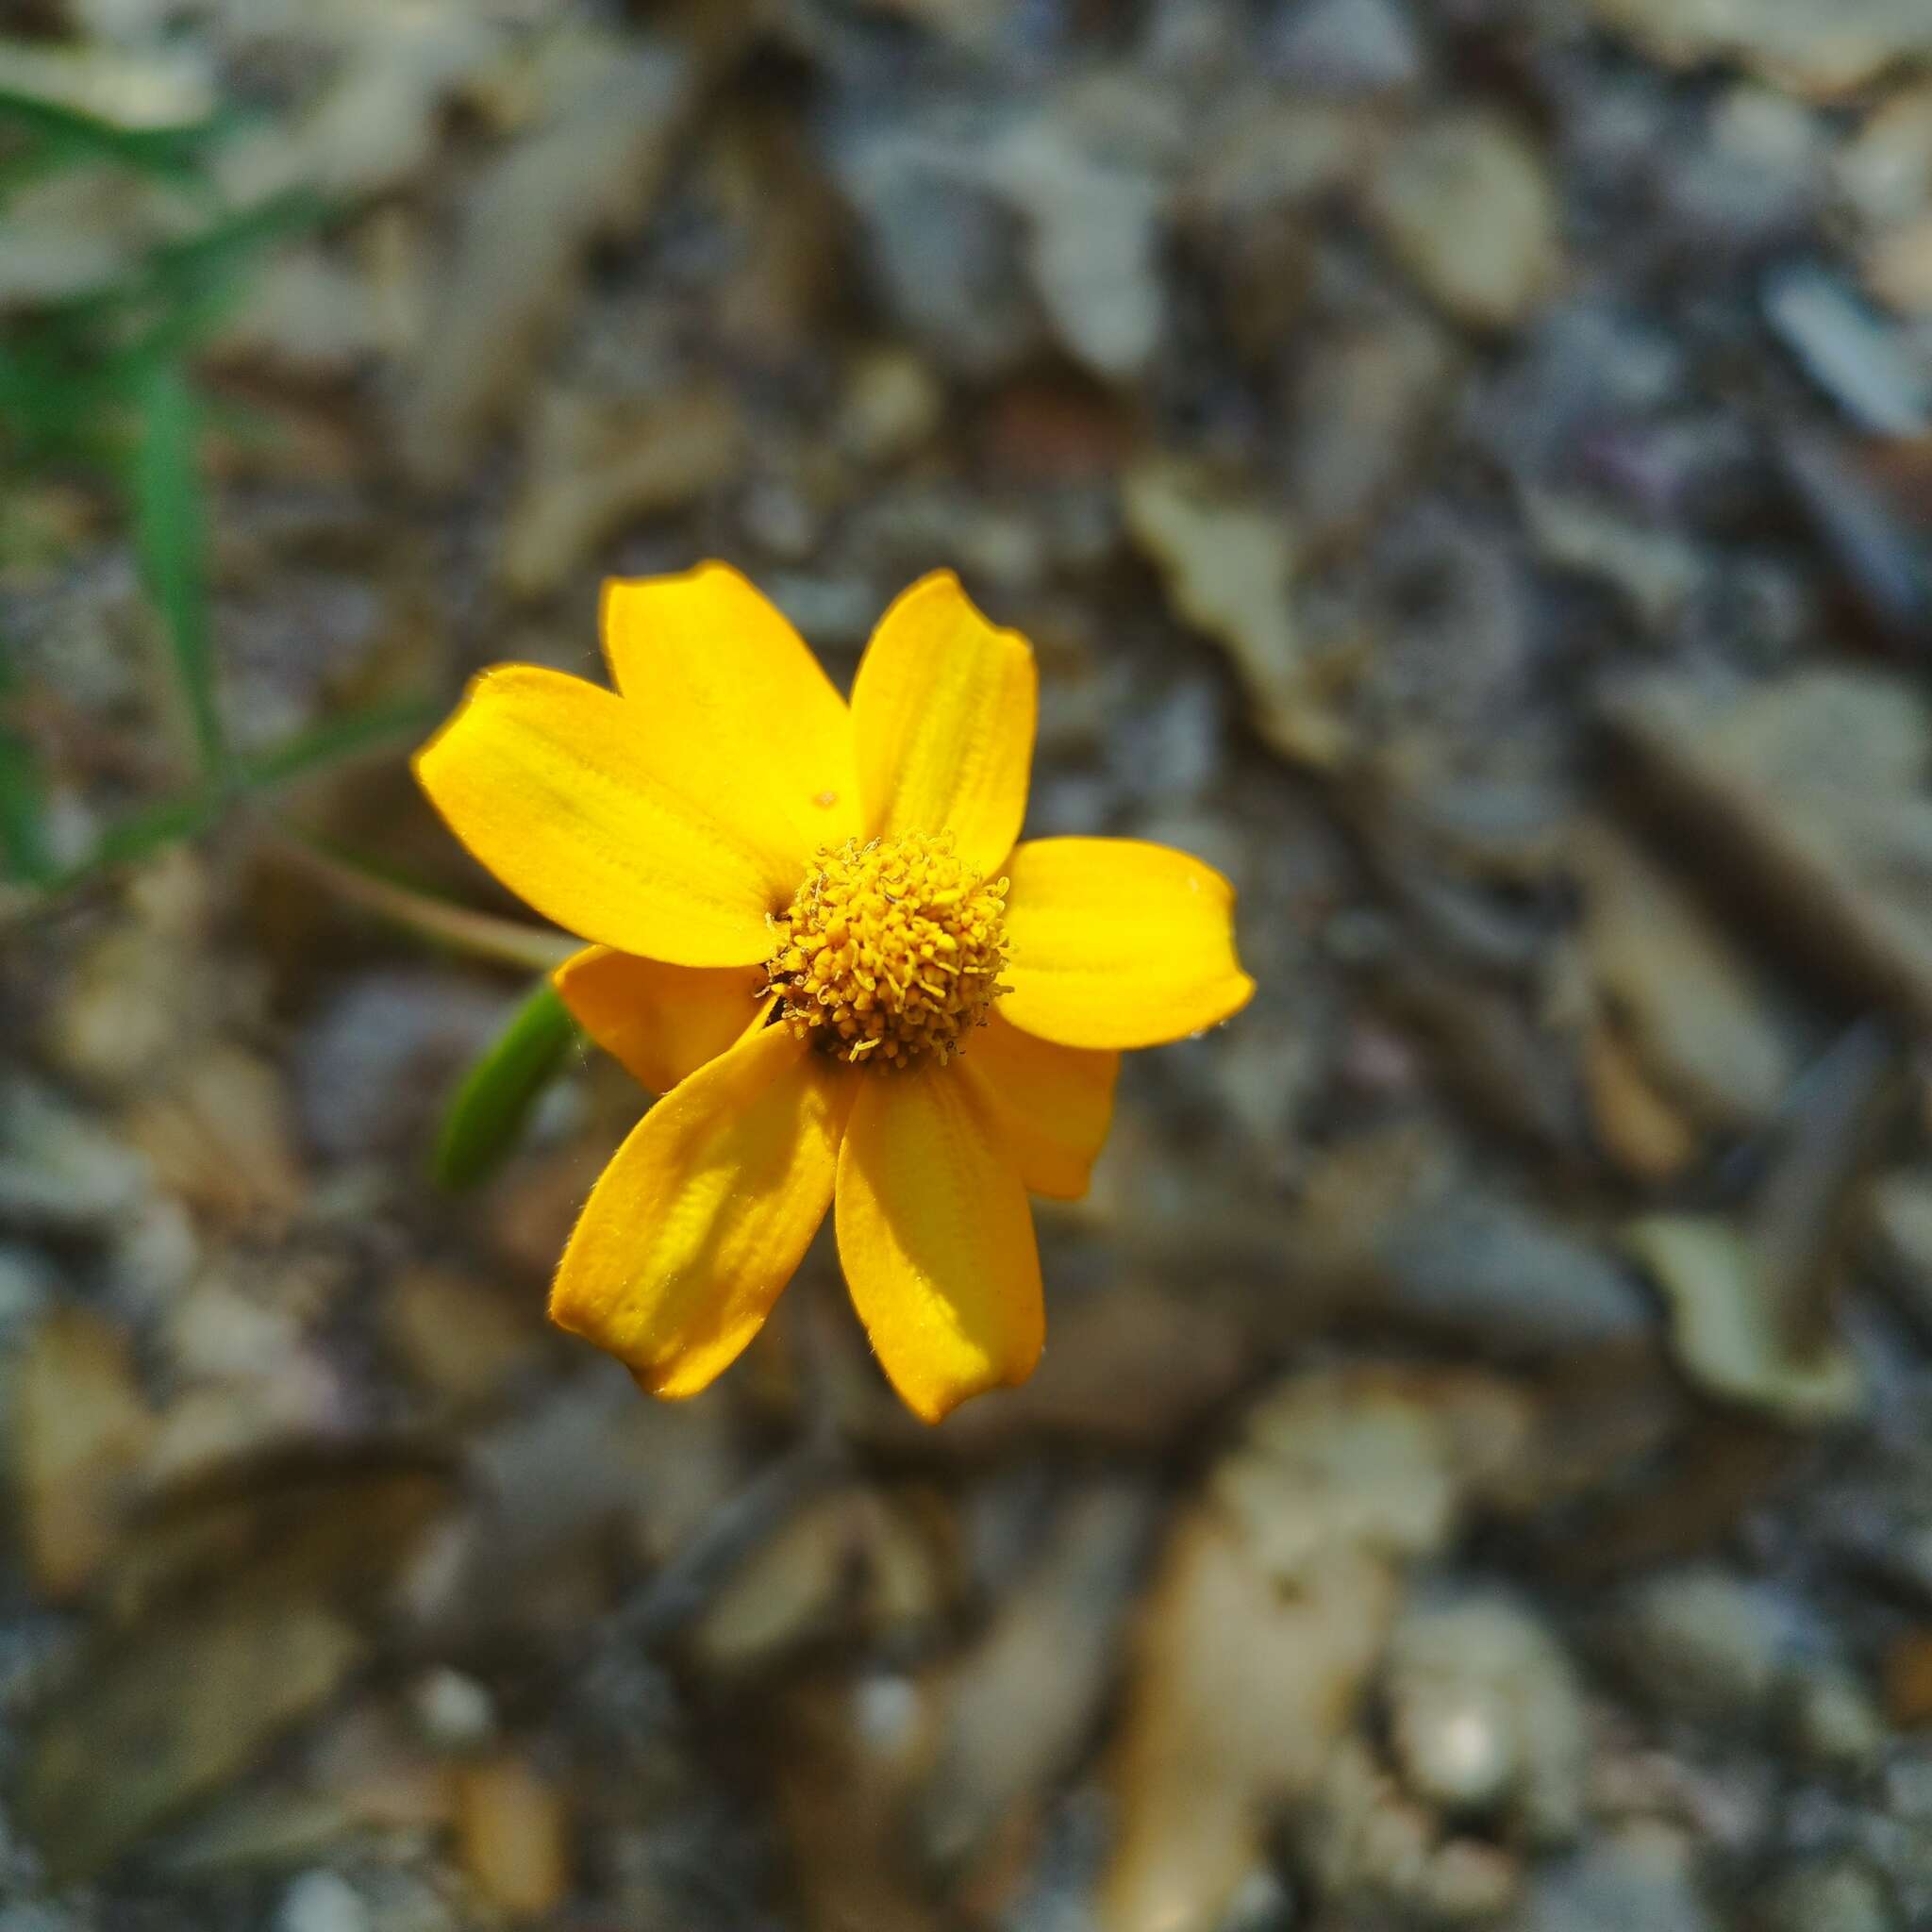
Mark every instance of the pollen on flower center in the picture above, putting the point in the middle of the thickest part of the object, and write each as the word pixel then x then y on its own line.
pixel 891 949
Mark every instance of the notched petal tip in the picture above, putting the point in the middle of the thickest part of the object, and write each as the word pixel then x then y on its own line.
pixel 704 1213
pixel 945 710
pixel 937 1242
pixel 931 1404
pixel 731 704
pixel 544 778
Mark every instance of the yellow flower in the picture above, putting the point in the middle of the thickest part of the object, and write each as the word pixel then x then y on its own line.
pixel 813 934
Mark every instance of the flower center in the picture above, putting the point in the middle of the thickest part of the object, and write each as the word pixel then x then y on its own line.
pixel 891 949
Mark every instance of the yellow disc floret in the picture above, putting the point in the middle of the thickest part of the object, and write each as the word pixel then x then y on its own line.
pixel 891 949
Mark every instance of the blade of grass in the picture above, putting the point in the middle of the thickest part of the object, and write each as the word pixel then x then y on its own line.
pixel 144 833
pixel 485 1115
pixel 233 241
pixel 171 538
pixel 335 741
pixel 24 853
pixel 172 153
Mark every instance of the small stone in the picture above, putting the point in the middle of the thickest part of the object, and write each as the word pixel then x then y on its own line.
pixel 1885 172
pixel 1898 270
pixel 27 1285
pixel 1641 1876
pixel 323 1902
pixel 1900 1224
pixel 1864 364
pixel 1091 241
pixel 944 250
pixel 1362 403
pixel 893 403
pixel 1263 1903
pixel 1832 1895
pixel 1467 205
pixel 1485 1715
pixel 455 1711
pixel 1908 1678
pixel 1701 1642
pixel 1834 1722
pixel 1348 47
pixel 1826 50
pixel 513 1835
pixel 58 1170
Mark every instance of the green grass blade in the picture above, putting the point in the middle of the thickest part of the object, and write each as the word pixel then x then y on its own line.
pixel 336 740
pixel 171 153
pixel 234 241
pixel 171 538
pixel 147 832
pixel 24 854
pixel 139 835
pixel 483 1122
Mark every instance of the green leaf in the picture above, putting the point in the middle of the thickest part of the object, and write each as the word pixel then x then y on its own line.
pixel 145 831
pixel 171 153
pixel 23 809
pixel 487 1115
pixel 336 740
pixel 171 538
pixel 217 251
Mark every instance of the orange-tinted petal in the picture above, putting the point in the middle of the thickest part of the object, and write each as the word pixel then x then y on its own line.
pixel 663 1021
pixel 705 1212
pixel 734 706
pixel 937 1240
pixel 944 707
pixel 545 778
pixel 1117 943
pixel 1050 1105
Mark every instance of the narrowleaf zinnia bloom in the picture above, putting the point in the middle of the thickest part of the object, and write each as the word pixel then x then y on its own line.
pixel 812 933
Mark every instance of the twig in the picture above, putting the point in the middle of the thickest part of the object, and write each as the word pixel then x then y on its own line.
pixel 482 934
pixel 689 1581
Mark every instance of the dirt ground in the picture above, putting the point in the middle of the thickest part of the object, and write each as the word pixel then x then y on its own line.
pixel 1466 469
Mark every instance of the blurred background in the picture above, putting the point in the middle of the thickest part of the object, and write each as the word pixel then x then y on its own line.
pixel 1466 466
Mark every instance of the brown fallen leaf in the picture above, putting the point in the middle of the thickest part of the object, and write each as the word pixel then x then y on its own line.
pixel 528 225
pixel 1268 1612
pixel 1808 802
pixel 1229 565
pixel 513 1836
pixel 596 463
pixel 1018 1705
pixel 81 1428
pixel 1825 51
pixel 242 1603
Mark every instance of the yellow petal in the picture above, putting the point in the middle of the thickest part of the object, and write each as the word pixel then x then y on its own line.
pixel 1118 944
pixel 705 1212
pixel 937 1240
pixel 943 707
pixel 1050 1105
pixel 663 1021
pixel 734 706
pixel 545 779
